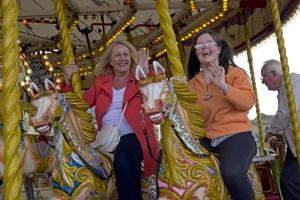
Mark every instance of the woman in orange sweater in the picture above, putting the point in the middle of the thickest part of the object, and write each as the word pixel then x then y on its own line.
pixel 225 96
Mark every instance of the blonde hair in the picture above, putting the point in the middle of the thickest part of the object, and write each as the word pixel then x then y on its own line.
pixel 104 68
pixel 272 66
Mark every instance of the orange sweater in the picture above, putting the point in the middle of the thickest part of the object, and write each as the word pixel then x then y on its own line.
pixel 225 114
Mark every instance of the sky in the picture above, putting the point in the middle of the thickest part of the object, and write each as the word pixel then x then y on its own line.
pixel 266 50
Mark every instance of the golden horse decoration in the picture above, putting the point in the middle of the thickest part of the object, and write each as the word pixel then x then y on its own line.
pixel 187 171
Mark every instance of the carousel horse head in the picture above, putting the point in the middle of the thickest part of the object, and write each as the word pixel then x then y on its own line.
pixel 46 103
pixel 154 90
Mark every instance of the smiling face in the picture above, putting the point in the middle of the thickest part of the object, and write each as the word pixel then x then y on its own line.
pixel 120 59
pixel 207 50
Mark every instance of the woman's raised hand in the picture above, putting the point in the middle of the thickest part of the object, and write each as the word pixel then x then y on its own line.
pixel 218 77
pixel 68 72
pixel 143 59
pixel 207 76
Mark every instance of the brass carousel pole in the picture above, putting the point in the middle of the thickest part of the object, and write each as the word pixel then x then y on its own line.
pixel 259 120
pixel 67 50
pixel 286 76
pixel 11 97
pixel 263 151
pixel 169 38
pixel 68 58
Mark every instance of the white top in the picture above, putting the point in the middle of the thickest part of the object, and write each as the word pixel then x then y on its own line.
pixel 114 113
pixel 281 121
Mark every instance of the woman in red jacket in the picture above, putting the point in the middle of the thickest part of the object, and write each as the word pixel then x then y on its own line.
pixel 114 87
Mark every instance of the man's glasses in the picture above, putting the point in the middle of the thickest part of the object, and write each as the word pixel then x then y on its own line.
pixel 207 45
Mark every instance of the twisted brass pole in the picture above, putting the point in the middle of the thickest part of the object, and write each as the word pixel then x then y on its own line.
pixel 67 50
pixel 68 57
pixel 259 120
pixel 286 76
pixel 11 98
pixel 169 37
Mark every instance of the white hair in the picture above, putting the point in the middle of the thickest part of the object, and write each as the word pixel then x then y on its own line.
pixel 272 65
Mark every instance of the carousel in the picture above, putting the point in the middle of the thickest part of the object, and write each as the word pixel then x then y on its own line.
pixel 45 136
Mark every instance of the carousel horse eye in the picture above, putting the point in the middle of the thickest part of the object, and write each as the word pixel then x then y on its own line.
pixel 46 118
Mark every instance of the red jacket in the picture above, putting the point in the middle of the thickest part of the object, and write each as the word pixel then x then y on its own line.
pixel 100 95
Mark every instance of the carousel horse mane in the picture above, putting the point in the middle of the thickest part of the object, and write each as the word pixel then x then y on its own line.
pixel 79 108
pixel 192 112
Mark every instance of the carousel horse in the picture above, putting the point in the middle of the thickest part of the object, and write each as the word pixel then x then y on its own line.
pixel 187 171
pixel 80 172
pixel 37 157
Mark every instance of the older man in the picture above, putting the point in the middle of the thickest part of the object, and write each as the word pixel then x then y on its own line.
pixel 271 73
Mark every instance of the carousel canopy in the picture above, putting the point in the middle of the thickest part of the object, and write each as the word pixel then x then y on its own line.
pixel 94 24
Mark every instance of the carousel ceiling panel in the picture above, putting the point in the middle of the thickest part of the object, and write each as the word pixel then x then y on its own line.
pixel 102 21
pixel 259 20
pixel 34 5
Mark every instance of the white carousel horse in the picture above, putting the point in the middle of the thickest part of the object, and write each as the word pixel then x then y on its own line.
pixel 80 172
pixel 37 157
pixel 187 170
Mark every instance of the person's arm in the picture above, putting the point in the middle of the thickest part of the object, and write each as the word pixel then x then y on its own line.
pixel 64 87
pixel 240 92
pixel 90 95
pixel 143 60
pixel 281 119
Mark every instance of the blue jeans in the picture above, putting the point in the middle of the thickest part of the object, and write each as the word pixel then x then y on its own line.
pixel 127 165
pixel 236 154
